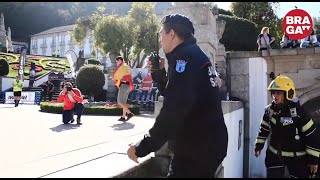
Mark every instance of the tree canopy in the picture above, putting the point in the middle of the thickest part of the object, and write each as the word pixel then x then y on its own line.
pixel 262 14
pixel 129 35
pixel 28 18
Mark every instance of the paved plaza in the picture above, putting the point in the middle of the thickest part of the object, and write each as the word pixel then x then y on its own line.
pixel 36 144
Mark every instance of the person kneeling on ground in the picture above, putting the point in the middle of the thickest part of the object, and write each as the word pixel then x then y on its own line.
pixel 72 99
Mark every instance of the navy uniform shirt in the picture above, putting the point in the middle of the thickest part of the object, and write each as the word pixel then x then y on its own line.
pixel 191 115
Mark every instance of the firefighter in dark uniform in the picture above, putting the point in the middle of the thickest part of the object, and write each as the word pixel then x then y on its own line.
pixel 294 141
pixel 191 116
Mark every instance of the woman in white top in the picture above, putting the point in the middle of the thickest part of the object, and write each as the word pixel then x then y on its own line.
pixel 310 41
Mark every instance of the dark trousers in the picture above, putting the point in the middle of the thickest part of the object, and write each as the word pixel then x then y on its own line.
pixel 133 95
pixel 67 115
pixel 297 166
pixel 154 95
pixel 145 95
pixel 43 96
pixel 188 168
pixel 31 81
pixel 50 95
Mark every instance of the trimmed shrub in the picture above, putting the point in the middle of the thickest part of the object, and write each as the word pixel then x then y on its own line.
pixel 239 34
pixel 4 67
pixel 90 80
pixel 92 110
pixel 94 61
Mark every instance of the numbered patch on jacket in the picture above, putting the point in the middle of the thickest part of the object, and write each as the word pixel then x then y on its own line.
pixel 286 121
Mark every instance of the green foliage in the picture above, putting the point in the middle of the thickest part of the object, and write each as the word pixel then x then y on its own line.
pixel 147 24
pixel 28 18
pixel 239 34
pixel 46 64
pixel 93 53
pixel 4 67
pixel 222 11
pixel 126 35
pixel 108 34
pixel 90 79
pixel 95 110
pixel 94 61
pixel 316 24
pixel 261 13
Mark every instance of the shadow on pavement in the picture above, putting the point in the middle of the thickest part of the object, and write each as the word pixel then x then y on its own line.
pixel 122 126
pixel 63 127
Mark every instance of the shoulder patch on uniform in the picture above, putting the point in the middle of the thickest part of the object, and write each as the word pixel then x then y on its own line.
pixel 181 66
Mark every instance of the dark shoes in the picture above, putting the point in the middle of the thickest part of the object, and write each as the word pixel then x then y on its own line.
pixel 72 120
pixel 129 116
pixel 122 119
pixel 79 121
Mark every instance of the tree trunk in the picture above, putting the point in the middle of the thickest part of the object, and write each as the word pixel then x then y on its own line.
pixel 141 62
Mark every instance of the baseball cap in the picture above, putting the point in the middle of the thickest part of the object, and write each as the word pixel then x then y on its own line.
pixel 179 19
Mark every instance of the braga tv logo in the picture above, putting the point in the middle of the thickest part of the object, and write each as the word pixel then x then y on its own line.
pixel 297 24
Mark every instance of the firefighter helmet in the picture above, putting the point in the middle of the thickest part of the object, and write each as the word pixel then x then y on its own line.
pixel 283 83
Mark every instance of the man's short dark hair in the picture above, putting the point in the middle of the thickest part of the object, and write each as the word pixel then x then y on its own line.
pixel 119 58
pixel 180 24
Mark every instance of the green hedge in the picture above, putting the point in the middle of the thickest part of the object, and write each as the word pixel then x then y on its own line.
pixel 239 34
pixel 94 61
pixel 96 110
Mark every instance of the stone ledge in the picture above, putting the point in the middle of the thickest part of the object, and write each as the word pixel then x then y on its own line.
pixel 305 50
pixel 273 52
pixel 243 54
pixel 230 106
pixel 283 52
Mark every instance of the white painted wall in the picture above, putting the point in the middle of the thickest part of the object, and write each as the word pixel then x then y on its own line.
pixel 7 83
pixel 258 101
pixel 233 163
pixel 60 37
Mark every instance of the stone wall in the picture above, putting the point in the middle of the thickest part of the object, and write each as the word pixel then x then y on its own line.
pixel 302 65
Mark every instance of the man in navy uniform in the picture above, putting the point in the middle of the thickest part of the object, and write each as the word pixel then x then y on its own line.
pixel 191 117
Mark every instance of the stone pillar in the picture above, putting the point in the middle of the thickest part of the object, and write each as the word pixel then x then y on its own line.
pixel 10 47
pixel 2 27
pixel 3 36
pixel 204 22
pixel 112 89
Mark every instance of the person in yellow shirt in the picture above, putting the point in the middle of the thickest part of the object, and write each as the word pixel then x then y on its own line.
pixel 123 80
pixel 17 89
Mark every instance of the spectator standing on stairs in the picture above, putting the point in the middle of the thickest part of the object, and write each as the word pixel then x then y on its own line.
pixel 50 90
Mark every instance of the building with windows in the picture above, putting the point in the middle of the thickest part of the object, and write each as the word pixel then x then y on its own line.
pixel 48 42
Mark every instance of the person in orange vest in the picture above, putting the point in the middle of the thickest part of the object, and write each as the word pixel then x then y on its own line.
pixel 72 102
pixel 17 89
pixel 123 80
pixel 145 89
